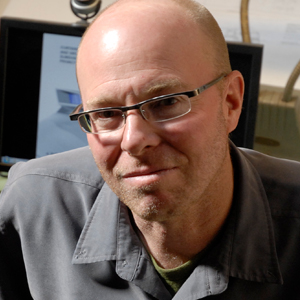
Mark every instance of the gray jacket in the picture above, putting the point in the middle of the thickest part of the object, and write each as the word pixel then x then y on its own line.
pixel 64 235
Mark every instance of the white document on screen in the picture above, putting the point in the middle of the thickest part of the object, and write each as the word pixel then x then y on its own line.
pixel 59 95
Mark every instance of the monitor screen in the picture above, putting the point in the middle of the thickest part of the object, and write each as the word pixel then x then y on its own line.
pixel 38 89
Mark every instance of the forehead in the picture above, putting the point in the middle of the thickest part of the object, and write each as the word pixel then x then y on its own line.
pixel 140 51
pixel 147 91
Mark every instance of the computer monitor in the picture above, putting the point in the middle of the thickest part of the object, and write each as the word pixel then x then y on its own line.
pixel 247 58
pixel 38 89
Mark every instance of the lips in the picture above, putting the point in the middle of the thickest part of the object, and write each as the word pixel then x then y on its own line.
pixel 142 173
pixel 146 176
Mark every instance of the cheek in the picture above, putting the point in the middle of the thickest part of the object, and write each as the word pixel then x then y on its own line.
pixel 105 151
pixel 199 131
pixel 190 130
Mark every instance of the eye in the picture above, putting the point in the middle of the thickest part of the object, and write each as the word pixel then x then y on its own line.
pixel 168 101
pixel 166 108
pixel 164 103
pixel 106 114
pixel 106 120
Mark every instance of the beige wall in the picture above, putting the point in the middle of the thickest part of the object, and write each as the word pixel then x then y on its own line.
pixel 47 10
pixel 3 4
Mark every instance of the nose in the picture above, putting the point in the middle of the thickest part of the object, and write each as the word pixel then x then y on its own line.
pixel 138 135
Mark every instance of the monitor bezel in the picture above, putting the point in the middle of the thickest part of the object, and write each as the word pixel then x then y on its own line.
pixel 243 135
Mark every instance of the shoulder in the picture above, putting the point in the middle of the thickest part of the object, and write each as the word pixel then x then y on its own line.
pixel 273 168
pixel 280 179
pixel 68 181
pixel 76 165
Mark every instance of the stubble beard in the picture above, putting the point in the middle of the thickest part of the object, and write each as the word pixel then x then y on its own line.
pixel 147 202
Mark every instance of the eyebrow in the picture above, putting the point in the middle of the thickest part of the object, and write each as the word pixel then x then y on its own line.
pixel 96 101
pixel 151 91
pixel 159 87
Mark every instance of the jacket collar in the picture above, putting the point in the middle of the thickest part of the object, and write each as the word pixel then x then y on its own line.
pixel 108 235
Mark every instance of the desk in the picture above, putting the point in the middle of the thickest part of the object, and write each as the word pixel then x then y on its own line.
pixel 2 182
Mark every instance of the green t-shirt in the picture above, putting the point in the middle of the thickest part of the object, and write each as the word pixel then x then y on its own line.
pixel 174 278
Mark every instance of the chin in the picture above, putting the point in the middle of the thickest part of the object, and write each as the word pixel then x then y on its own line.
pixel 150 208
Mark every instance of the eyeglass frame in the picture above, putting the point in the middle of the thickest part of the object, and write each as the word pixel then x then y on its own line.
pixel 74 115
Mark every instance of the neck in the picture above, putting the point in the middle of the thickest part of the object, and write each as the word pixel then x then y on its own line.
pixel 178 239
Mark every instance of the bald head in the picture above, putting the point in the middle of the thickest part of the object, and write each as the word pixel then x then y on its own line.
pixel 124 11
pixel 159 35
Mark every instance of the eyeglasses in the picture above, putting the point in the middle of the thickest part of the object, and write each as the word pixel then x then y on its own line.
pixel 157 109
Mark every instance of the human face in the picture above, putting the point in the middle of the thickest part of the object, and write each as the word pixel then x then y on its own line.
pixel 159 170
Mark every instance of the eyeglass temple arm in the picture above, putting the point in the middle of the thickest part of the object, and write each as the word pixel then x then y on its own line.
pixel 208 85
pixel 74 114
pixel 201 89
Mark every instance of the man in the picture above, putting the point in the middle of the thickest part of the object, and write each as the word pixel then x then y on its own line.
pixel 178 211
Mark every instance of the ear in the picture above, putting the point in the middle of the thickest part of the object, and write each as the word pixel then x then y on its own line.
pixel 233 99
